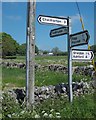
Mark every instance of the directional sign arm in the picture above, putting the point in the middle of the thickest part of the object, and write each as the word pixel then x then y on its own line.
pixel 85 55
pixel 59 31
pixel 52 20
pixel 80 38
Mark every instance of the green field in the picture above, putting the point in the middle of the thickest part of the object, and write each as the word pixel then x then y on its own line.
pixel 16 77
pixel 82 106
pixel 46 60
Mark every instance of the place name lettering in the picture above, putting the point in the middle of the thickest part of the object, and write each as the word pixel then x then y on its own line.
pixel 51 20
pixel 80 53
pixel 77 56
pixel 77 41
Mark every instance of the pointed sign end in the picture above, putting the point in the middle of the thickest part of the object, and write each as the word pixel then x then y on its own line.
pixel 39 19
pixel 92 55
pixel 88 36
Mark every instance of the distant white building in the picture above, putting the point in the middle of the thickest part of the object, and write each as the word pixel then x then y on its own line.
pixel 40 52
pixel 50 54
pixel 35 54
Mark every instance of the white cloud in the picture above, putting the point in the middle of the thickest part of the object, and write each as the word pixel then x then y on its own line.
pixel 11 17
pixel 75 18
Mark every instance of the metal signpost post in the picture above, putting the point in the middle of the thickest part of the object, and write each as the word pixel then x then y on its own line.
pixel 77 39
pixel 69 62
pixel 66 22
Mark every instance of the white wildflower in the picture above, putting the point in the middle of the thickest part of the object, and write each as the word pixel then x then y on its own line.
pixel 57 113
pixel 50 116
pixel 58 116
pixel 13 114
pixel 37 116
pixel 43 111
pixel 45 115
pixel 51 110
pixel 9 115
pixel 22 112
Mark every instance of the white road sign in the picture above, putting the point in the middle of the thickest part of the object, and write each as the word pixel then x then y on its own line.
pixel 82 54
pixel 59 31
pixel 52 20
pixel 80 38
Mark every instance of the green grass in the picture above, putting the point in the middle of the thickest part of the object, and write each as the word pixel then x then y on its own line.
pixel 81 107
pixel 16 77
pixel 50 57
pixel 0 78
pixel 46 60
pixel 49 78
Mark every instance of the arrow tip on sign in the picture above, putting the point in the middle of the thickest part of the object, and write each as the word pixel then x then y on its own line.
pixel 92 55
pixel 88 36
pixel 50 34
pixel 39 19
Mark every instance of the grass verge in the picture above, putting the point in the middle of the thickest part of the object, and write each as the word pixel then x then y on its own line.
pixel 15 77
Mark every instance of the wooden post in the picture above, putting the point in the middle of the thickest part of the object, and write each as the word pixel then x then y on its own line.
pixel 27 54
pixel 31 62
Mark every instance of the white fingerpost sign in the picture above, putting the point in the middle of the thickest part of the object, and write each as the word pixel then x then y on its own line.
pixel 52 20
pixel 85 55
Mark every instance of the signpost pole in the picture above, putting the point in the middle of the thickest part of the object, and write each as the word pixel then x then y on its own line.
pixel 69 62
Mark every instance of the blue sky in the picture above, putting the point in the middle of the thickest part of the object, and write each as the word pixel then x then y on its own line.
pixel 14 22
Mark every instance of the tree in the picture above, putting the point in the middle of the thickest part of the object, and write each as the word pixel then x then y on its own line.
pixel 93 47
pixel 36 49
pixel 22 49
pixel 56 51
pixel 45 52
pixel 9 45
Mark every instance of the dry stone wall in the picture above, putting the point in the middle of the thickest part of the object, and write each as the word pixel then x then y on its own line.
pixel 83 70
pixel 45 92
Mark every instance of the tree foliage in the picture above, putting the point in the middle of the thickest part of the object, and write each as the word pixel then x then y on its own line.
pixel 36 49
pixel 10 47
pixel 93 47
pixel 45 52
pixel 55 50
pixel 22 49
